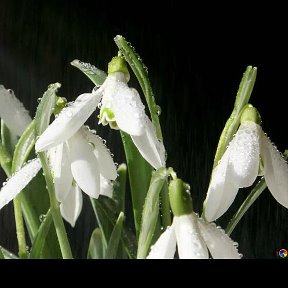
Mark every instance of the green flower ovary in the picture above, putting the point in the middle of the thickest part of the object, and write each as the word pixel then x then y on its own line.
pixel 107 116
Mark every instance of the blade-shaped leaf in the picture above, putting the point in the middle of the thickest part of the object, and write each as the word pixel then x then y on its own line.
pixel 23 147
pixel 95 250
pixel 115 237
pixel 140 173
pixel 8 138
pixel 106 213
pixel 45 108
pixel 150 212
pixel 96 75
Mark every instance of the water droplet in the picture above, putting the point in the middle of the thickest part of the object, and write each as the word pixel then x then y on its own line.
pixel 235 244
pixel 158 110
pixel 42 217
pixel 39 100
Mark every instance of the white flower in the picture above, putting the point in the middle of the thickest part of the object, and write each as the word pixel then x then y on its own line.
pixel 84 158
pixel 239 168
pixel 19 181
pixel 121 107
pixel 194 237
pixel 12 111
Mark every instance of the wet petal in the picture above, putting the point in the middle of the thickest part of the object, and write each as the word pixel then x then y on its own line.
pixel 71 207
pixel 126 105
pixel 61 169
pixel 106 187
pixel 69 121
pixel 221 193
pixel 275 171
pixel 84 165
pixel 19 181
pixel 12 111
pixel 190 243
pixel 219 243
pixel 165 246
pixel 151 149
pixel 244 155
pixel 103 155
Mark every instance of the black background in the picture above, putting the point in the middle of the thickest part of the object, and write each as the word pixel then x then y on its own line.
pixel 196 57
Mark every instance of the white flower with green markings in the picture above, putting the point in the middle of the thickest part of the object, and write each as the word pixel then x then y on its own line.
pixel 192 236
pixel 121 107
pixel 240 165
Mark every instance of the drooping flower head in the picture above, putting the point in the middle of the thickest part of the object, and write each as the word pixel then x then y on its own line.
pixel 192 235
pixel 240 165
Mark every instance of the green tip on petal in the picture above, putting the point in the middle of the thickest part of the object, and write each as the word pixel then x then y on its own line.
pixel 118 64
pixel 60 104
pixel 250 113
pixel 180 199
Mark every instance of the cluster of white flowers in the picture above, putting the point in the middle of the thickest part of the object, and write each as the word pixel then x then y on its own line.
pixel 79 160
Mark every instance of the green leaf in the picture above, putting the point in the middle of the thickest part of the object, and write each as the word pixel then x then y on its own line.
pixel 119 187
pixel 150 212
pixel 95 250
pixel 7 254
pixel 105 210
pixel 140 173
pixel 141 72
pixel 8 138
pixel 96 75
pixel 45 108
pixel 5 160
pixel 242 99
pixel 23 147
pixel 115 237
pixel 41 236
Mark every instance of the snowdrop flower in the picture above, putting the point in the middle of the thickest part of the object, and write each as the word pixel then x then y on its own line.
pixel 121 107
pixel 240 164
pixel 84 158
pixel 192 235
pixel 12 111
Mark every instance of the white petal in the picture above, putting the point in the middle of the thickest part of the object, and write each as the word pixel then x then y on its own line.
pixel 165 246
pixel 244 155
pixel 84 165
pixel 19 181
pixel 126 105
pixel 71 207
pixel 221 193
pixel 275 171
pixel 103 155
pixel 151 149
pixel 61 169
pixel 69 121
pixel 12 111
pixel 190 243
pixel 106 187
pixel 219 244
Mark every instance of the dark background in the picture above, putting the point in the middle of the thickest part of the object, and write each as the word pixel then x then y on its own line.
pixel 196 57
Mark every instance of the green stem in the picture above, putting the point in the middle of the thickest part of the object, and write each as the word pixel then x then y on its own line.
pixel 20 230
pixel 141 73
pixel 55 211
pixel 251 198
